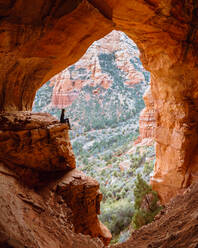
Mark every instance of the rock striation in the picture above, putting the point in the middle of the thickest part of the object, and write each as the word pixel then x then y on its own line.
pixel 36 141
pixel 147 122
pixel 39 42
pixel 89 71
pixel 44 200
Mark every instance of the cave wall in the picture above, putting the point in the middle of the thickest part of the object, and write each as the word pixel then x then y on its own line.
pixel 165 32
pixel 40 39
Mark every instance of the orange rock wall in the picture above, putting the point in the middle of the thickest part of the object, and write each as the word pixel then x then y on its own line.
pixel 44 200
pixel 166 36
pixel 50 35
pixel 40 39
pixel 147 122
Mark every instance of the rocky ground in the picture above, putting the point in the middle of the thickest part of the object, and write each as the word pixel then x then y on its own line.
pixel 44 206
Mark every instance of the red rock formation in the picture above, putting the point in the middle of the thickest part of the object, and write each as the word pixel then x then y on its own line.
pixel 36 141
pixel 147 121
pixel 40 39
pixel 68 83
pixel 83 197
pixel 44 201
pixel 39 42
pixel 42 217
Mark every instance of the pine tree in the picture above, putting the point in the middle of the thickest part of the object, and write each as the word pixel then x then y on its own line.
pixel 146 203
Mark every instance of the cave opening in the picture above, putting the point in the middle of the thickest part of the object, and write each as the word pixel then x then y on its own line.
pixel 102 94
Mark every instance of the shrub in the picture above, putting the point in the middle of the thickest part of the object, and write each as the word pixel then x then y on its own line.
pixel 116 215
pixel 148 168
pixel 145 205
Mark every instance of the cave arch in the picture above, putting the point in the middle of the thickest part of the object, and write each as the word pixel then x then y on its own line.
pixel 49 35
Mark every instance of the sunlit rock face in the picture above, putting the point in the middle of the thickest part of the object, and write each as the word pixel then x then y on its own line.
pixel 168 50
pixel 147 121
pixel 88 71
pixel 176 131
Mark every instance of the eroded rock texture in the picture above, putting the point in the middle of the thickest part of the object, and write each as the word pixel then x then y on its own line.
pixel 147 121
pixel 36 141
pixel 42 216
pixel 166 35
pixel 41 38
pixel 50 35
pixel 44 200
pixel 89 70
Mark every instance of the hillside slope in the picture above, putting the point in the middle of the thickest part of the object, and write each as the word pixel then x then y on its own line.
pixel 103 97
pixel 102 94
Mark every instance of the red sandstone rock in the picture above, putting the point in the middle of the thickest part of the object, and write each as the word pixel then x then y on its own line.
pixel 44 217
pixel 38 158
pixel 83 197
pixel 40 39
pixel 67 84
pixel 36 141
pixel 50 35
pixel 147 121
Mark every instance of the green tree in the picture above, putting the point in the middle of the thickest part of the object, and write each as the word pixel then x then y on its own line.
pixel 146 203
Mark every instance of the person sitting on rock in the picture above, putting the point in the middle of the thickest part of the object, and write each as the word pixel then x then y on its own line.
pixel 64 120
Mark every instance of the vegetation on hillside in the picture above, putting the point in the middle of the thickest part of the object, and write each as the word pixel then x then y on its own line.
pixel 146 205
pixel 104 127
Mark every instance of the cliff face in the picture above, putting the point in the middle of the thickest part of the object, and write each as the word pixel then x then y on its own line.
pixel 166 36
pixel 147 122
pixel 40 41
pixel 90 69
pixel 35 141
pixel 44 199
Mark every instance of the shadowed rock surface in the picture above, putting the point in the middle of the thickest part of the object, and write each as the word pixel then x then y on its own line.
pixel 42 38
pixel 50 35
pixel 41 217
pixel 43 199
pixel 36 141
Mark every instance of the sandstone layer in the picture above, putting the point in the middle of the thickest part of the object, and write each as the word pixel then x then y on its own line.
pixel 36 141
pixel 147 121
pixel 50 35
pixel 44 200
pixel 89 72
